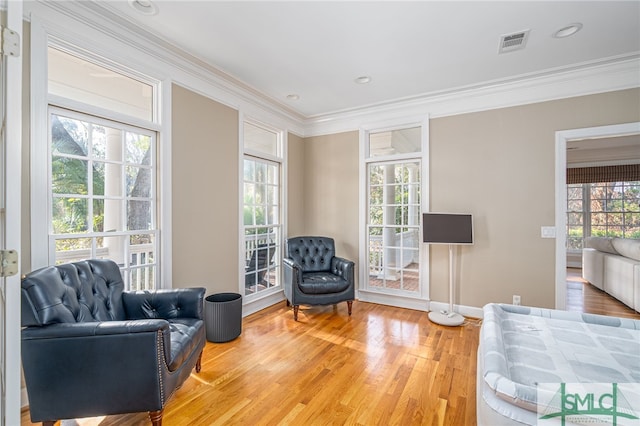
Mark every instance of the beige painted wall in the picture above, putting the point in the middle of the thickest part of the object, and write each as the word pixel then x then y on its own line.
pixel 295 185
pixel 500 166
pixel 204 157
pixel 331 190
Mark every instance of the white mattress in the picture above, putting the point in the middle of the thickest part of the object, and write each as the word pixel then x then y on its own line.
pixel 521 347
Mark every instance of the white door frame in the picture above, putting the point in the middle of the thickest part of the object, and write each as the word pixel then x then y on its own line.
pixel 561 193
pixel 11 169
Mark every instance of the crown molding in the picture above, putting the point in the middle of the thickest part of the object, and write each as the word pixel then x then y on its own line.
pixel 606 76
pixel 610 74
pixel 194 73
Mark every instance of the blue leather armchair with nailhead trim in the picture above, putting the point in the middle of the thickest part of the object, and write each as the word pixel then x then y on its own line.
pixel 89 348
pixel 314 275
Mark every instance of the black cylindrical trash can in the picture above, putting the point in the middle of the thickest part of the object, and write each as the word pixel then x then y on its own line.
pixel 223 316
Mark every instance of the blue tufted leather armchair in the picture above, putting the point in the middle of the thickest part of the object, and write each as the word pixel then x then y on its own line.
pixel 313 275
pixel 89 348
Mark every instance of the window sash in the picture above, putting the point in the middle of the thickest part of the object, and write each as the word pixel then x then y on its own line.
pixel 131 244
pixel 602 209
pixel 262 224
pixel 393 226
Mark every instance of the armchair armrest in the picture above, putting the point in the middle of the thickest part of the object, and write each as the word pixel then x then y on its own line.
pixel 289 262
pixel 342 267
pixel 292 269
pixel 164 304
pixel 86 364
pixel 90 329
pixel 292 277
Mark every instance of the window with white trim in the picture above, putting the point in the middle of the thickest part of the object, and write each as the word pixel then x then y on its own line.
pixel 102 171
pixel 393 201
pixel 262 208
pixel 604 209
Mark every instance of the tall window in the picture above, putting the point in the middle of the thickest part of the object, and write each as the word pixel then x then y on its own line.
pixel 102 172
pixel 610 209
pixel 261 208
pixel 393 211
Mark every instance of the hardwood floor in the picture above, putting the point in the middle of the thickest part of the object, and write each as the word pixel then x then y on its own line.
pixel 583 297
pixel 381 366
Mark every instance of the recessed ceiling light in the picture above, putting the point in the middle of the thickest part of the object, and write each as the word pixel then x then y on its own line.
pixel 293 97
pixel 567 31
pixel 364 79
pixel 144 6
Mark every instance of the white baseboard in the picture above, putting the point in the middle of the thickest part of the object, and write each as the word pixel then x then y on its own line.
pixel 393 300
pixel 256 305
pixel 467 311
pixel 397 301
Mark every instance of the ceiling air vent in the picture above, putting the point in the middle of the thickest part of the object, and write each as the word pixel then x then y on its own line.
pixel 514 41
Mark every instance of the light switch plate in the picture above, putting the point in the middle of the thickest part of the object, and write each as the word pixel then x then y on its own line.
pixel 548 231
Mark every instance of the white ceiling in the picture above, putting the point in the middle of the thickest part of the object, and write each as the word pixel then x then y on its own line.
pixel 410 49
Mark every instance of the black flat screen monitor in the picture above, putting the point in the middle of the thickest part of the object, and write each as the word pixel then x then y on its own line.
pixel 447 228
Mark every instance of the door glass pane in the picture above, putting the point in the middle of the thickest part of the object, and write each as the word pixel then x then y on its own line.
pixel 393 142
pixel 260 140
pixel 70 215
pixel 394 226
pixel 261 225
pixel 74 78
pixel 112 247
pixel 69 136
pixel 69 175
pixel 72 249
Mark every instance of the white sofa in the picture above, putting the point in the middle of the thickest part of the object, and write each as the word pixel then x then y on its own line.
pixel 613 265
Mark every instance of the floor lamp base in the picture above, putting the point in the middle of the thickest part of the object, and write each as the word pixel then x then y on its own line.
pixel 446 318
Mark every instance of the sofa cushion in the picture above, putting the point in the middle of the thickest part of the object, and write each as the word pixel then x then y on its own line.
pixel 593 267
pixel 603 244
pixel 618 281
pixel 186 335
pixel 627 247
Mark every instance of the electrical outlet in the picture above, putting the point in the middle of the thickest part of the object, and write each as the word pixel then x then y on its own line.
pixel 516 299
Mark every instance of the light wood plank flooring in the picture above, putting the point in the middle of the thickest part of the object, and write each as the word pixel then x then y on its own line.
pixel 381 366
pixel 583 297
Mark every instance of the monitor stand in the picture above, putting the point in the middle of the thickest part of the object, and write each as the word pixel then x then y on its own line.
pixel 446 318
pixel 449 317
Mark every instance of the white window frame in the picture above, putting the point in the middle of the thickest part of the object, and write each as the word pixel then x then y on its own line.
pixel 419 300
pixel 256 301
pixel 587 212
pixel 45 34
pixel 127 267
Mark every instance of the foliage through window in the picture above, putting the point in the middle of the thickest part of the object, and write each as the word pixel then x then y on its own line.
pixel 102 181
pixel 607 209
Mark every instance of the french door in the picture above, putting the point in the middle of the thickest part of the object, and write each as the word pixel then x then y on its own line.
pixel 393 226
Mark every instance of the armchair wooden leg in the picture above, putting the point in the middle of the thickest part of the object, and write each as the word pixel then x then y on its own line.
pixel 288 303
pixel 349 305
pixel 156 417
pixel 199 363
pixel 295 312
pixel 49 423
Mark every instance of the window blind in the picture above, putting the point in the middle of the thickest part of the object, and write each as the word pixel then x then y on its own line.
pixel 596 174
